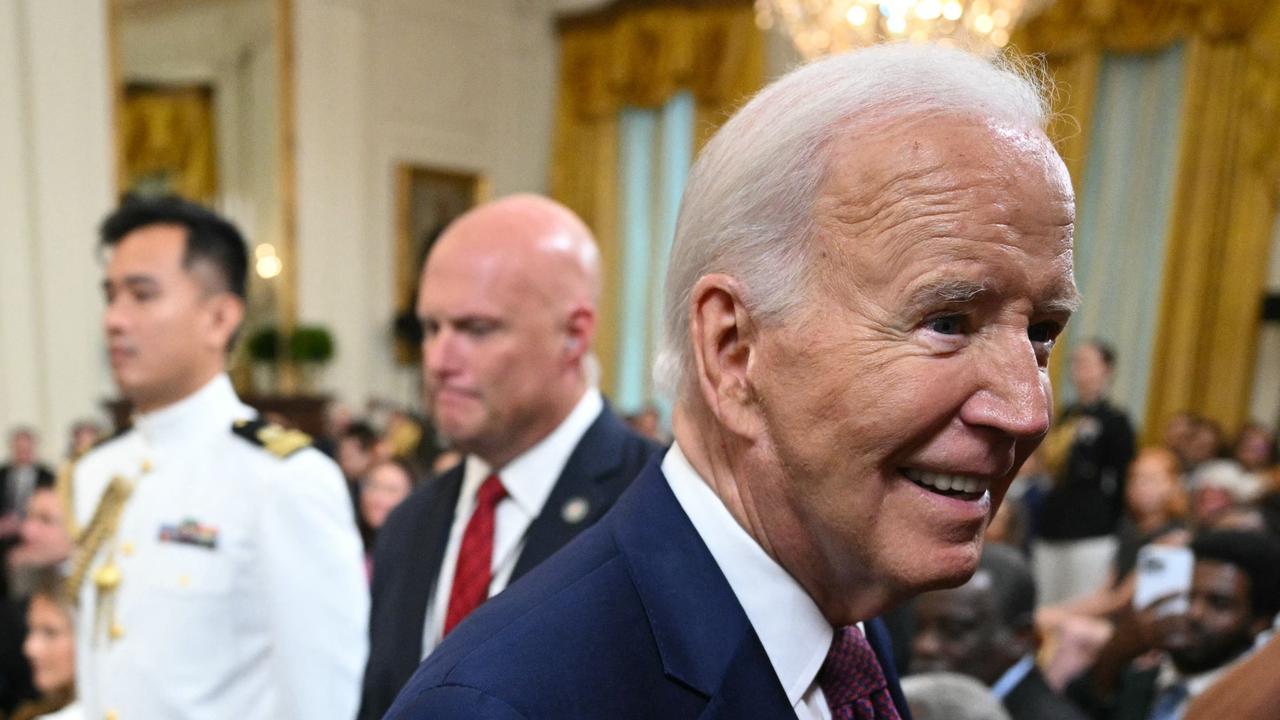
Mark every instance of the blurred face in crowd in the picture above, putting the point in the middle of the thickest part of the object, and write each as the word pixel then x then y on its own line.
pixel 508 313
pixel 1153 488
pixel 45 540
pixel 1219 624
pixel 22 448
pixel 959 630
pixel 353 458
pixel 887 415
pixel 50 645
pixel 1177 432
pixel 167 330
pixel 1254 448
pixel 383 488
pixel 1089 373
pixel 1204 442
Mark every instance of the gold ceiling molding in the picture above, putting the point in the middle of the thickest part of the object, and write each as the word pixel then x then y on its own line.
pixel 1126 26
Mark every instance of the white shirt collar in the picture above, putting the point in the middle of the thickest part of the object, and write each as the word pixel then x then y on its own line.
pixel 530 477
pixel 1196 684
pixel 207 410
pixel 795 635
pixel 1013 676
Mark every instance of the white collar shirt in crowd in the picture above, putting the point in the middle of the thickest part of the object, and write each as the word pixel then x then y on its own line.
pixel 795 635
pixel 1195 684
pixel 528 480
pixel 1013 677
pixel 242 591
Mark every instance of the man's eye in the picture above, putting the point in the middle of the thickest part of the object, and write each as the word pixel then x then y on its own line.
pixel 1043 332
pixel 947 325
pixel 479 329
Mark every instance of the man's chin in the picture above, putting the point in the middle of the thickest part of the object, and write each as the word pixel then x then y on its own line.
pixel 944 569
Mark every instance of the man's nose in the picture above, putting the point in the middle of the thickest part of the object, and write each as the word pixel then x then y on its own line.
pixel 113 317
pixel 440 352
pixel 1013 395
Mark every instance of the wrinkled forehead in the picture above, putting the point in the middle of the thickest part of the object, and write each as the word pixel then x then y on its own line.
pixel 941 185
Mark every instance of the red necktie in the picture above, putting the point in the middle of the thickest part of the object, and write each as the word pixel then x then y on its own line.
pixel 475 558
pixel 852 680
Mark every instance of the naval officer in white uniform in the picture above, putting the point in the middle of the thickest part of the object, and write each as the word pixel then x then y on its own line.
pixel 219 573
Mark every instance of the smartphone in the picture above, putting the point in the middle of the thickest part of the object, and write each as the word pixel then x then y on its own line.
pixel 1163 570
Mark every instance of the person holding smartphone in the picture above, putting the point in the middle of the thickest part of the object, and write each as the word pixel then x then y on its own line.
pixel 1157 661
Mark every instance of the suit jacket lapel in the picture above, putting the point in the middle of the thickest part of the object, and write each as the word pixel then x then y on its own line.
pixel 597 455
pixel 702 633
pixel 432 536
pixel 878 637
pixel 749 689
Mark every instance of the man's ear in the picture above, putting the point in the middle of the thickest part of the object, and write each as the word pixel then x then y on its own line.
pixel 226 314
pixel 579 333
pixel 724 337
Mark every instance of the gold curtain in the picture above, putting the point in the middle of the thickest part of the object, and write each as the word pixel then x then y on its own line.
pixel 1226 189
pixel 168 142
pixel 639 55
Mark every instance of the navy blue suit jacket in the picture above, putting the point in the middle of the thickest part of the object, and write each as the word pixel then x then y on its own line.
pixel 633 619
pixel 410 547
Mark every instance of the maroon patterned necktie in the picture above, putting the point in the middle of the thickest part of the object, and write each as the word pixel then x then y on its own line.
pixel 475 556
pixel 852 680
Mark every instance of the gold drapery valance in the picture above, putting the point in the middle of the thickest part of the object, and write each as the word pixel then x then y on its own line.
pixel 1226 189
pixel 639 55
pixel 167 139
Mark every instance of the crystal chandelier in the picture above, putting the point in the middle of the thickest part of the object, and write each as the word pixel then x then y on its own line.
pixel 822 27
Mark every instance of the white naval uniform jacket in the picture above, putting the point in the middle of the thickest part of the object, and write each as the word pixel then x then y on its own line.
pixel 243 593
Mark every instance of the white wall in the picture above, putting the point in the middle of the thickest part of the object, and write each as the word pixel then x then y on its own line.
pixel 465 85
pixel 56 183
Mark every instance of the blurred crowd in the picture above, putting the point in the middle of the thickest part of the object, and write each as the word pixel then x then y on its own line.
pixel 384 453
pixel 1054 623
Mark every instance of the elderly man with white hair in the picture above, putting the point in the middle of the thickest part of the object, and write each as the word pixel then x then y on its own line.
pixel 872 261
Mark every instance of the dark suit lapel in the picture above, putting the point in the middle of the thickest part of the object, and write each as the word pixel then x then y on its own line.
pixel 578 498
pixel 750 689
pixel 431 538
pixel 702 633
pixel 878 637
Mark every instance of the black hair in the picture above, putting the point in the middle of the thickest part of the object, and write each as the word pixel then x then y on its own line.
pixel 1269 506
pixel 363 433
pixel 1012 586
pixel 1105 350
pixel 1256 554
pixel 210 238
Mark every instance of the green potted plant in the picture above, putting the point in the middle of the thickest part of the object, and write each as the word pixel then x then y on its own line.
pixel 311 347
pixel 263 348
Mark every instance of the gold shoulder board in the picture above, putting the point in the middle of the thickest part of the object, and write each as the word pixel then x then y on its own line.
pixel 279 441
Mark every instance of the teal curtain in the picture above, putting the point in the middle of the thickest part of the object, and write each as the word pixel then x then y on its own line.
pixel 655 152
pixel 1126 197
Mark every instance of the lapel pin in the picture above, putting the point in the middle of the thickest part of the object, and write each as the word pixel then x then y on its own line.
pixel 575 510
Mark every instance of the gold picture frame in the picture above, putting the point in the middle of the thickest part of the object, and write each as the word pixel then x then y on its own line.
pixel 427 199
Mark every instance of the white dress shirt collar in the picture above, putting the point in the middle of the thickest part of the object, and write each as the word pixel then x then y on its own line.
pixel 1195 684
pixel 210 409
pixel 1013 676
pixel 795 635
pixel 530 477
pixel 529 480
